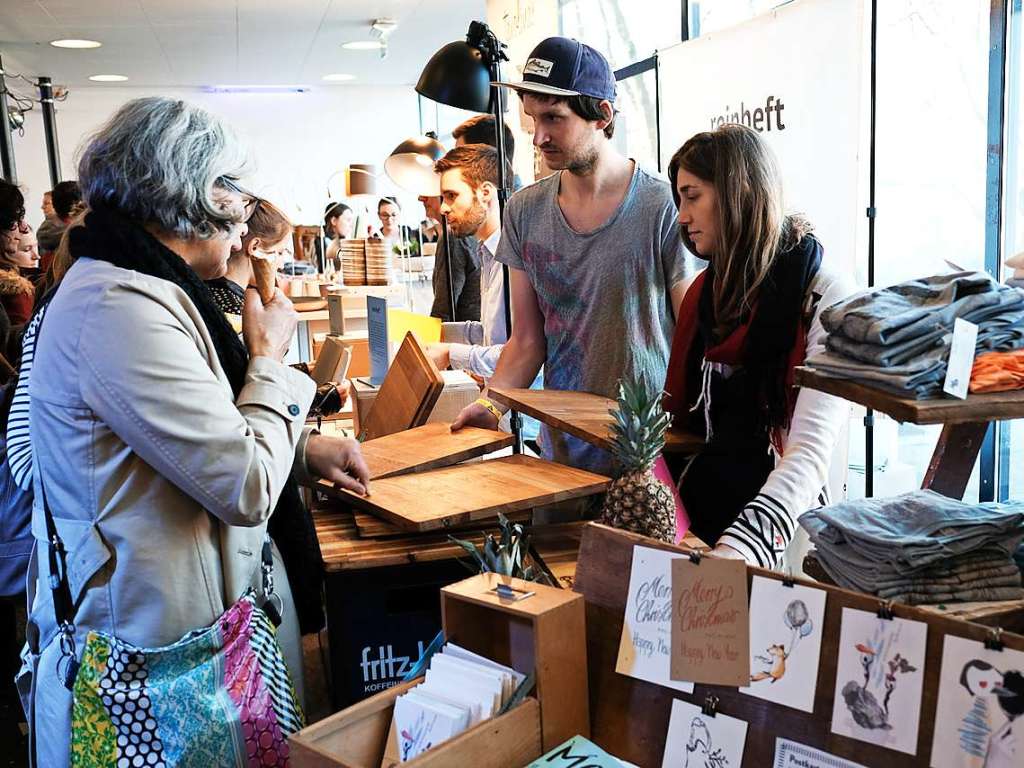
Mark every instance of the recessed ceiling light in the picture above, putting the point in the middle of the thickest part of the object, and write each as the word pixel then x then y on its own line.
pixel 73 43
pixel 108 78
pixel 363 45
pixel 338 78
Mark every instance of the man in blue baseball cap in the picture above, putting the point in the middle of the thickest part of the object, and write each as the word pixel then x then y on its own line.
pixel 597 263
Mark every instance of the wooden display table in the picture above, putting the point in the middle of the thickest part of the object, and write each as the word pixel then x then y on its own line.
pixel 965 422
pixel 582 415
pixel 381 593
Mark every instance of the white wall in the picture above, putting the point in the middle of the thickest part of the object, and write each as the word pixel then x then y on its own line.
pixel 297 140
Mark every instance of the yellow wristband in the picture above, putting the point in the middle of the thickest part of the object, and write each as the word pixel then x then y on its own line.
pixel 491 407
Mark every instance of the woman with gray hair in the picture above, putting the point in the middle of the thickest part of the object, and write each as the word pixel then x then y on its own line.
pixel 162 443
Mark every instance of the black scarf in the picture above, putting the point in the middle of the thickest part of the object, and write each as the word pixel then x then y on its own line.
pixel 772 332
pixel 109 236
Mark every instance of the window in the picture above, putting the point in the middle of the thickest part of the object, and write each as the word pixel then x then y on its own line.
pixel 624 32
pixel 709 15
pixel 636 125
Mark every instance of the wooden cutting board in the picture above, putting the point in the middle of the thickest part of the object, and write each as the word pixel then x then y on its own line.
pixel 444 498
pixel 583 415
pixel 408 394
pixel 431 446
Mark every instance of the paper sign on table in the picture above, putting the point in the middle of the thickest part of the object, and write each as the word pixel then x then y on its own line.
pixel 790 754
pixel 961 358
pixel 785 642
pixel 646 642
pixel 696 739
pixel 879 679
pixel 710 621
pixel 981 706
pixel 575 753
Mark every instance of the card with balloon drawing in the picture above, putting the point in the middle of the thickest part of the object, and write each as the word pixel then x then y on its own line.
pixel 785 642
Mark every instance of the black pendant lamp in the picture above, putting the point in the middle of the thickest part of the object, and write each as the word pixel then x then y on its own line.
pixel 459 74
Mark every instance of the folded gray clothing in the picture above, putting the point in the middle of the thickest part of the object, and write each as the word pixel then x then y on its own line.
pixel 875 540
pixel 935 344
pixel 1005 572
pixel 980 595
pixel 917 307
pixel 902 381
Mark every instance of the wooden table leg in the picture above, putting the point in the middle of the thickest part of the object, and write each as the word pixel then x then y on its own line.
pixel 953 460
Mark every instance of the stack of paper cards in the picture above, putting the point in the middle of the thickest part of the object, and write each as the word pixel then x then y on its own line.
pixel 460 689
pixel 577 752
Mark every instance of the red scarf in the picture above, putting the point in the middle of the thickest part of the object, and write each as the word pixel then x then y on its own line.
pixel 729 351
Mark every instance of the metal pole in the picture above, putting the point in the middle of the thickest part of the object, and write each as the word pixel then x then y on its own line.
pixel 50 128
pixel 869 416
pixel 6 141
pixel 498 107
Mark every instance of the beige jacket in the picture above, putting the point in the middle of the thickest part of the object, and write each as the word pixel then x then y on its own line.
pixel 161 481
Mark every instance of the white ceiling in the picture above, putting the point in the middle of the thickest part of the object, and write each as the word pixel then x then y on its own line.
pixel 168 43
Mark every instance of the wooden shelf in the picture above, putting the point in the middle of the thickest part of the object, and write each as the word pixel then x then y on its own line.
pixel 941 410
pixel 582 415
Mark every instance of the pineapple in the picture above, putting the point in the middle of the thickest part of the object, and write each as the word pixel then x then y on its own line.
pixel 637 501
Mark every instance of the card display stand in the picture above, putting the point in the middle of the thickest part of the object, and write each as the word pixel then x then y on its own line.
pixel 629 717
pixel 583 415
pixel 543 632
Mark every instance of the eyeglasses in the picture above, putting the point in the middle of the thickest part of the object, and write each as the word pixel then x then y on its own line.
pixel 250 202
pixel 388 216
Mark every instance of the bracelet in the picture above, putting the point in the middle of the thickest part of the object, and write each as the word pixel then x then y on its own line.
pixel 491 407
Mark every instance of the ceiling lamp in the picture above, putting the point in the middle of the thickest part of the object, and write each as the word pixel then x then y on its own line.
pixel 338 77
pixel 108 78
pixel 75 43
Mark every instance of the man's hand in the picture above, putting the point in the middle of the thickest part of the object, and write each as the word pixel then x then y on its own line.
pixel 475 415
pixel 338 460
pixel 439 353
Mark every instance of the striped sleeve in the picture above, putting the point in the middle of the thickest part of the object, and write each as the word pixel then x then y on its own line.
pixel 762 531
pixel 19 444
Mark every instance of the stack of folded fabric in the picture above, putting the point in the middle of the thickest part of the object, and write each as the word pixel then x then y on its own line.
pixel 1016 263
pixel 898 338
pixel 921 548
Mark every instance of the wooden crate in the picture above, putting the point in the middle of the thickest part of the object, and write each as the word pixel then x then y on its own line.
pixel 357 738
pixel 545 633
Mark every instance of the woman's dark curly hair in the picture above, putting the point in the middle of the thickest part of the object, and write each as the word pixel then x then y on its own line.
pixel 12 205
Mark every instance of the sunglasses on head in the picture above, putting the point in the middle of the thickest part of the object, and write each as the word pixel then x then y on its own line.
pixel 250 201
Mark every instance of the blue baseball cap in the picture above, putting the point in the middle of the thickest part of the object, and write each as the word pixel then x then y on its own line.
pixel 561 66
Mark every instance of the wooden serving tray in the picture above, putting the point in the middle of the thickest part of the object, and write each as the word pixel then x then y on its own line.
pixel 431 446
pixel 444 498
pixel 583 415
pixel 407 395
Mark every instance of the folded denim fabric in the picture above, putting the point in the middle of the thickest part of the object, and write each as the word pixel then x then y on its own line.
pixel 1005 573
pixel 914 308
pixel 886 355
pixel 980 595
pixel 904 381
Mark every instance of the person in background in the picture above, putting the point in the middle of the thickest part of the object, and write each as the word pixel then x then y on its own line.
pixel 339 224
pixel 152 424
pixel 17 293
pixel 66 197
pixel 745 323
pixel 597 264
pixel 50 230
pixel 469 189
pixel 465 250
pixel 390 214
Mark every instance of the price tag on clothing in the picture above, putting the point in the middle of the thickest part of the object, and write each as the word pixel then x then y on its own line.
pixel 961 358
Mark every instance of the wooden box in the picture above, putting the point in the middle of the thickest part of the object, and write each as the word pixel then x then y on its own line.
pixel 356 738
pixel 545 633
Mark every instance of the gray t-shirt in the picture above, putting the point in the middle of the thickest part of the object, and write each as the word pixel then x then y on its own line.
pixel 604 294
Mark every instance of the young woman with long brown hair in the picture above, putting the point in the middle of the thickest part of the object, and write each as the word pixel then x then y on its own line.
pixel 745 323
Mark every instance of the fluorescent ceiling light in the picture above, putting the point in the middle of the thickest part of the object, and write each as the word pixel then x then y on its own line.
pixel 257 89
pixel 363 45
pixel 73 43
pixel 108 78
pixel 338 77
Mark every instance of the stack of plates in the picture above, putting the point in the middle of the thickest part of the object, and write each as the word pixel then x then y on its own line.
pixel 353 262
pixel 378 262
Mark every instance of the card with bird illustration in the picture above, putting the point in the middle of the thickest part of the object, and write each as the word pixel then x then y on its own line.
pixel 785 642
pixel 699 740
pixel 879 680
pixel 981 704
